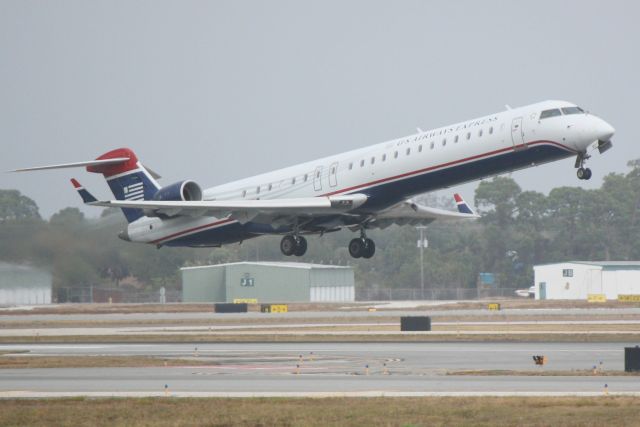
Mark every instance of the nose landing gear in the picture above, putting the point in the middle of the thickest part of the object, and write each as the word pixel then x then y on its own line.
pixel 582 172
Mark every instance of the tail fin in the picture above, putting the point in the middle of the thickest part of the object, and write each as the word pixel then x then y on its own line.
pixel 128 180
pixel 463 207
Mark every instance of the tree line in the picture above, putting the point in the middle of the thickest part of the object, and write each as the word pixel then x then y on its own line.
pixel 518 229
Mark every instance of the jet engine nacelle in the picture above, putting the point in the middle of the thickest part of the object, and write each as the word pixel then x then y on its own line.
pixel 186 191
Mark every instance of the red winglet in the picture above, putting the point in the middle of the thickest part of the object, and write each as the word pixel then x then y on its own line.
pixel 75 183
pixel 457 197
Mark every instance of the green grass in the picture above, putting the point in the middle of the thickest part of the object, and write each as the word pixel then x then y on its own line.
pixel 489 411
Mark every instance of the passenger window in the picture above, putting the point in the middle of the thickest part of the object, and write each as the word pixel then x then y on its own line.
pixel 270 187
pixel 384 157
pixel 258 190
pixel 306 176
pixel 468 135
pixel 318 174
pixel 395 155
pixel 444 142
pixel 293 181
pixel 455 140
pixel 408 151
pixel 491 130
pixel 373 160
pixel 350 165
pixel 432 145
pixel 362 163
pixel 480 132
pixel 244 193
pixel 420 148
pixel 550 113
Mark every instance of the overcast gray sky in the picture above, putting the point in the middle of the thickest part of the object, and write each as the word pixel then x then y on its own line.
pixel 218 90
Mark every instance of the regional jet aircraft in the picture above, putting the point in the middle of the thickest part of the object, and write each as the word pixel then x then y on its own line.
pixel 359 190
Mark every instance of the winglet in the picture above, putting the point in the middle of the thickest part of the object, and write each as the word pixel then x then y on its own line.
pixel 462 205
pixel 86 196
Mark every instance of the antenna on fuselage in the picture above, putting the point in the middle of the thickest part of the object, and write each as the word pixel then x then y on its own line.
pixel 419 130
pixel 507 106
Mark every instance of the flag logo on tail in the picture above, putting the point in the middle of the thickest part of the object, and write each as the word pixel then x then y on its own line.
pixel 134 191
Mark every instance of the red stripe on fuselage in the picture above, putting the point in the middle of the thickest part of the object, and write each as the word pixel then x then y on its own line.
pixel 379 181
pixel 443 165
pixel 200 227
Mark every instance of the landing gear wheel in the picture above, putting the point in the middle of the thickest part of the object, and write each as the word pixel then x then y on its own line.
pixel 357 248
pixel 370 248
pixel 584 173
pixel 288 245
pixel 301 246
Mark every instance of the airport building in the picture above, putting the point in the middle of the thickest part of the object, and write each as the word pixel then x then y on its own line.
pixel 588 280
pixel 265 282
pixel 23 285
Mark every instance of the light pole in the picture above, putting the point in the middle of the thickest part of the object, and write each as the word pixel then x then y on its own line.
pixel 421 244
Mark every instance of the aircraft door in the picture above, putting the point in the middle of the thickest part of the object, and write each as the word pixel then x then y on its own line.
pixel 517 134
pixel 317 179
pixel 333 174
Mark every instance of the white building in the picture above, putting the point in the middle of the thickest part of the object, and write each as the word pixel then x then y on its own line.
pixel 23 285
pixel 583 279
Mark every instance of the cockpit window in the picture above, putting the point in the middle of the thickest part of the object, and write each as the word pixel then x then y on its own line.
pixel 572 110
pixel 550 113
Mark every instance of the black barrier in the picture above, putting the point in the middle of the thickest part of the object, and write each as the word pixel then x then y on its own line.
pixel 632 359
pixel 230 308
pixel 415 323
pixel 265 308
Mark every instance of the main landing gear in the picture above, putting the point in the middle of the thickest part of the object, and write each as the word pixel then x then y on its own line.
pixel 582 172
pixel 293 245
pixel 362 247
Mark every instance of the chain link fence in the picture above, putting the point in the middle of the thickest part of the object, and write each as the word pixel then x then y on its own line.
pixel 399 294
pixel 116 295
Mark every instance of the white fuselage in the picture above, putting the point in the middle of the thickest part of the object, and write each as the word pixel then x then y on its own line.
pixel 395 170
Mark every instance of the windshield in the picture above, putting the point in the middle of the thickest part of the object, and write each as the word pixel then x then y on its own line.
pixel 550 113
pixel 572 110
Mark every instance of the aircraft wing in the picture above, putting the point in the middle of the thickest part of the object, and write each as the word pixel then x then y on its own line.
pixel 242 210
pixel 410 212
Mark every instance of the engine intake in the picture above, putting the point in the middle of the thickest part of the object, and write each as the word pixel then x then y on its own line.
pixel 186 191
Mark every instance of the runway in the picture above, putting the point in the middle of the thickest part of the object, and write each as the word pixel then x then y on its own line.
pixel 313 369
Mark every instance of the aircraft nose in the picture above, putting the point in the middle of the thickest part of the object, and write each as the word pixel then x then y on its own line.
pixel 604 130
pixel 124 235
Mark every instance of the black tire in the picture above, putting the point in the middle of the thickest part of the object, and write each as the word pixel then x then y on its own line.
pixel 301 247
pixel 288 245
pixel 587 174
pixel 580 173
pixel 356 248
pixel 370 248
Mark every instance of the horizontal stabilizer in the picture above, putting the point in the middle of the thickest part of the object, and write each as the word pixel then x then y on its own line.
pixel 114 161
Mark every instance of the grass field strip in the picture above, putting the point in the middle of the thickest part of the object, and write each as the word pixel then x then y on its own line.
pixel 25 394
